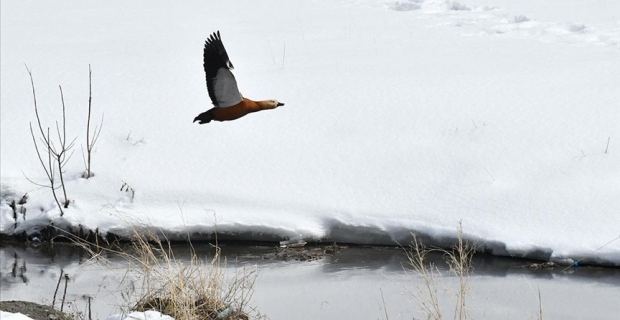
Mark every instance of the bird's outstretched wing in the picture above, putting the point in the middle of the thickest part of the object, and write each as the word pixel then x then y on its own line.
pixel 221 83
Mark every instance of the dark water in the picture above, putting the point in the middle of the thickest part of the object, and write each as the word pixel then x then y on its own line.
pixel 354 282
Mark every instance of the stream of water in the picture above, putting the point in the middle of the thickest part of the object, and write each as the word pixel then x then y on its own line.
pixel 352 283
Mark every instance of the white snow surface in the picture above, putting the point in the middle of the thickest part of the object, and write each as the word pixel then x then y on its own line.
pixel 147 315
pixel 4 315
pixel 400 117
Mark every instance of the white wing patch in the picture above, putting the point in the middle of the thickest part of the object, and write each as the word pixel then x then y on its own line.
pixel 225 89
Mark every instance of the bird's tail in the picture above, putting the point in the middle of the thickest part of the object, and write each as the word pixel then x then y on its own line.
pixel 204 117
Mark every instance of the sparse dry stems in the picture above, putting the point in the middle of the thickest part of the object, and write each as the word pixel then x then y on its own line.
pixel 426 296
pixel 190 290
pixel 459 260
pixel 57 155
pixel 185 290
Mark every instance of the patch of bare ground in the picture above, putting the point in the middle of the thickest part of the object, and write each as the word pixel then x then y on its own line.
pixel 34 310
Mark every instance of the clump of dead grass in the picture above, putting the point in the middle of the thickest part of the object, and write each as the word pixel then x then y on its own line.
pixel 194 289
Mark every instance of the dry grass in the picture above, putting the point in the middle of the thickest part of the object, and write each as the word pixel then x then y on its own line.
pixel 459 260
pixel 433 289
pixel 190 289
pixel 426 295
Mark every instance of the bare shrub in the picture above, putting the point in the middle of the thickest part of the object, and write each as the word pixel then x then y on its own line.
pixel 58 151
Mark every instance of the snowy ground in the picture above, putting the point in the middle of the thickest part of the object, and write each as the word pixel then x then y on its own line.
pixel 400 116
pixel 13 316
pixel 148 315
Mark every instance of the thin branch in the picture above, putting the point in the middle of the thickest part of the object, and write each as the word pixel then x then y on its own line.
pixel 59 139
pixel 34 98
pixel 67 158
pixel 51 167
pixel 384 306
pixel 60 156
pixel 57 286
pixel 90 100
pixel 34 140
pixel 283 54
pixel 98 131
pixel 90 139
pixel 64 121
pixel 56 157
pixel 35 183
pixel 607 148
pixel 540 308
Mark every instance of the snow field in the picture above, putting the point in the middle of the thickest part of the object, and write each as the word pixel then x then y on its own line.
pixel 400 117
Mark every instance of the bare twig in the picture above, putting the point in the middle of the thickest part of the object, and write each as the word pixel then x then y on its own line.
pixel 61 160
pixel 47 167
pixel 283 54
pixel 384 306
pixel 90 103
pixel 576 263
pixel 57 155
pixel 540 308
pixel 90 316
pixel 57 286
pixel 90 140
pixel 64 295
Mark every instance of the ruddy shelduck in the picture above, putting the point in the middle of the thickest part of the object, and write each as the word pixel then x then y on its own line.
pixel 222 86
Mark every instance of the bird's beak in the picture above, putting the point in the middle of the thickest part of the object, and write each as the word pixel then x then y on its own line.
pixel 280 104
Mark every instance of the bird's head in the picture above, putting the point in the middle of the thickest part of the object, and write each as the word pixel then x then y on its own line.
pixel 271 104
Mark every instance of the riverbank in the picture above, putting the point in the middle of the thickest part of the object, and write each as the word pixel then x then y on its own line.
pixel 34 310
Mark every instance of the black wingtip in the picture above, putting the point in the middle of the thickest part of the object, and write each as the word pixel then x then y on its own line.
pixel 204 117
pixel 214 58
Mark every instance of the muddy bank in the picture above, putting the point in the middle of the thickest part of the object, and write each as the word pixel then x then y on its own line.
pixel 34 310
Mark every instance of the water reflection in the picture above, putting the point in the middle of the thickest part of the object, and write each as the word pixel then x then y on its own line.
pixel 32 273
pixel 19 262
pixel 19 269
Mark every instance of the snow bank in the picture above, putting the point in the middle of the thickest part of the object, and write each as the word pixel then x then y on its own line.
pixel 402 117
pixel 13 316
pixel 148 315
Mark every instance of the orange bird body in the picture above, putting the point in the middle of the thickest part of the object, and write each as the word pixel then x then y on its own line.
pixel 222 87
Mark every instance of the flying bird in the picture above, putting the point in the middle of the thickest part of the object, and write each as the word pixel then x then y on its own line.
pixel 222 86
